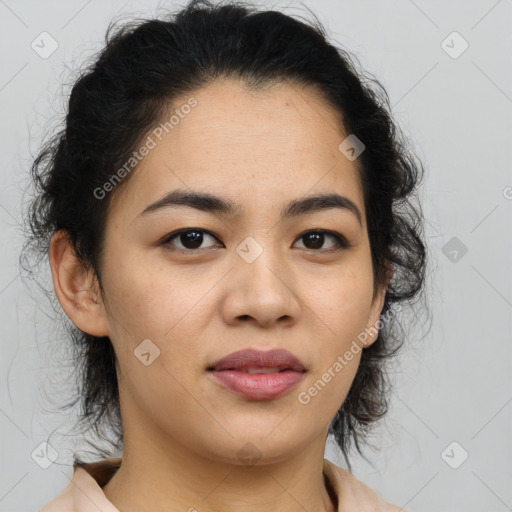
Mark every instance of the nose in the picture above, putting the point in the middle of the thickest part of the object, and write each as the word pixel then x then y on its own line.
pixel 261 289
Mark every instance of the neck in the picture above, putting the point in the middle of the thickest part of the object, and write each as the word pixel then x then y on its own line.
pixel 178 479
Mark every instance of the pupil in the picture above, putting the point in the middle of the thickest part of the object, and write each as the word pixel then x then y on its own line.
pixel 193 238
pixel 317 239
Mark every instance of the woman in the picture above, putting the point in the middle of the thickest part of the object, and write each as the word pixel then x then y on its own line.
pixel 229 228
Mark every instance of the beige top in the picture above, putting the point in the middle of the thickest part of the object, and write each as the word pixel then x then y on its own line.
pixel 85 494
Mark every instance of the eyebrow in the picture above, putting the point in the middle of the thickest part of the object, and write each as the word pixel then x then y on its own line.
pixel 210 203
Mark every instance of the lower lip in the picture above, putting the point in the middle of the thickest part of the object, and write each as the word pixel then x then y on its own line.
pixel 258 386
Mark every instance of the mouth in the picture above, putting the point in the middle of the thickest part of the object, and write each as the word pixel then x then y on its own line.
pixel 255 369
pixel 258 370
pixel 258 375
pixel 257 361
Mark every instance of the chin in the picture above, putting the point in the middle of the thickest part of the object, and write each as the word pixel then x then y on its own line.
pixel 257 447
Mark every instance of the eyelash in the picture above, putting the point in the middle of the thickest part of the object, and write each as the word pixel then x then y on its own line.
pixel 341 240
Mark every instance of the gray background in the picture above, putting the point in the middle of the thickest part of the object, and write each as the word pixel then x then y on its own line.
pixel 452 385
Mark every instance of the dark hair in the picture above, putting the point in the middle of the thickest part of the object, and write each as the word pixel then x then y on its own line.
pixel 126 92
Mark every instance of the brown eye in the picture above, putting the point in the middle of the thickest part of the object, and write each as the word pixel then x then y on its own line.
pixel 190 239
pixel 314 240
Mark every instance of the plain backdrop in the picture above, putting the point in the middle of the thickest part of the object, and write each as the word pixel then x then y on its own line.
pixel 445 444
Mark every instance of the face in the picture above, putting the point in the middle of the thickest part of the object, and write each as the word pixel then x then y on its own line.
pixel 249 278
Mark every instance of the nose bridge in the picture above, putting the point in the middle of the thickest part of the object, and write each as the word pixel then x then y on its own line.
pixel 263 290
pixel 262 257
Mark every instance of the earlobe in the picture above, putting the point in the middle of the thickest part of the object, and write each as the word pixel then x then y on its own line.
pixel 76 288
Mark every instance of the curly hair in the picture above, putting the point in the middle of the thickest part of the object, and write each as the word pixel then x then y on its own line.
pixel 124 92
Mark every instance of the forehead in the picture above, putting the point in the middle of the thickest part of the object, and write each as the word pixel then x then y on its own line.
pixel 258 147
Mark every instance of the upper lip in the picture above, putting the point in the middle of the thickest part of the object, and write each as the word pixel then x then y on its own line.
pixel 251 358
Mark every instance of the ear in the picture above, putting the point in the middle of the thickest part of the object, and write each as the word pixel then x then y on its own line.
pixel 372 325
pixel 76 288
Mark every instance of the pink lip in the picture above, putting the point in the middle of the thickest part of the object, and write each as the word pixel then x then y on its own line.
pixel 231 372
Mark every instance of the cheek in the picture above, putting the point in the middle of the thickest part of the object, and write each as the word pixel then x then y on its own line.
pixel 327 388
pixel 341 301
pixel 341 310
pixel 149 300
pixel 156 330
pixel 159 395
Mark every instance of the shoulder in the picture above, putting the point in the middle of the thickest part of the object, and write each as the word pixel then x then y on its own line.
pixel 85 489
pixel 353 494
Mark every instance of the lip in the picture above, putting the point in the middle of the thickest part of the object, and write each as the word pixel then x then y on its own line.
pixel 231 373
pixel 251 358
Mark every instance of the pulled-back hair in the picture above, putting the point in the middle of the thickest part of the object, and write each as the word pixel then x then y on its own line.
pixel 114 103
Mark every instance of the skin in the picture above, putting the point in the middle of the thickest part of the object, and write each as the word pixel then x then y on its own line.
pixel 182 430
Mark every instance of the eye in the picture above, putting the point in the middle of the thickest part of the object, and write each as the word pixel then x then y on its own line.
pixel 316 239
pixel 190 239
